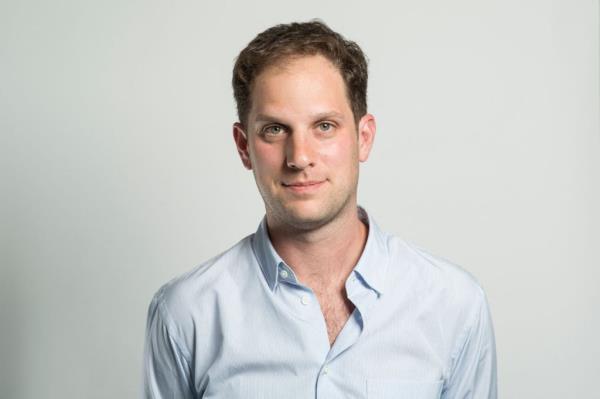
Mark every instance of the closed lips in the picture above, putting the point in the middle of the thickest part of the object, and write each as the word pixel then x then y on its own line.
pixel 302 184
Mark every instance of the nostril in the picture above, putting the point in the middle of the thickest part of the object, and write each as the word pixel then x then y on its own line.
pixel 296 164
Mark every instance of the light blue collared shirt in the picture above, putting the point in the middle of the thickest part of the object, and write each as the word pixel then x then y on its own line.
pixel 241 325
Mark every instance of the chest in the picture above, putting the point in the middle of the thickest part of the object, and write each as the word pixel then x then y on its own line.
pixel 336 309
pixel 281 353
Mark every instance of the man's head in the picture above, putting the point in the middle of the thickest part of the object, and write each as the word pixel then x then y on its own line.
pixel 300 133
pixel 281 43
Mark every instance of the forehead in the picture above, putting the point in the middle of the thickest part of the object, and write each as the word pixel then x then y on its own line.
pixel 298 86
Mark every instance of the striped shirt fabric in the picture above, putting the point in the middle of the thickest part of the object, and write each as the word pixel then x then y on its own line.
pixel 241 325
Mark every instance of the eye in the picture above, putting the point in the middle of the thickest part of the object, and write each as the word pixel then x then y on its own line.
pixel 273 130
pixel 325 126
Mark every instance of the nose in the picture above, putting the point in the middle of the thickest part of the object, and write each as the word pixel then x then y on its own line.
pixel 299 152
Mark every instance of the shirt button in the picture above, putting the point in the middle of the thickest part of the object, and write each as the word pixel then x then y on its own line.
pixel 304 299
pixel 325 370
pixel 284 274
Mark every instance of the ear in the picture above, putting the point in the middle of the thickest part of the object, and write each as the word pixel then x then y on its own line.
pixel 241 141
pixel 366 136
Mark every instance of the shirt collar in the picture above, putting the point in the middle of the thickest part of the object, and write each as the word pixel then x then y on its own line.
pixel 371 267
pixel 268 259
pixel 373 262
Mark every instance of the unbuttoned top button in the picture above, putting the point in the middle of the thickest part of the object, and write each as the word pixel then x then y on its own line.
pixel 284 274
pixel 304 299
pixel 325 370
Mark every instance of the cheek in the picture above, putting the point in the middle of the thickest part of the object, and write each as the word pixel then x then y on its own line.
pixel 265 158
pixel 342 154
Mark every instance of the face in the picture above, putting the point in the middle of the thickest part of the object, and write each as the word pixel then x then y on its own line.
pixel 302 143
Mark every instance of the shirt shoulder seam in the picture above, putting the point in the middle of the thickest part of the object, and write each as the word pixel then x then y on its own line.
pixel 467 333
pixel 169 322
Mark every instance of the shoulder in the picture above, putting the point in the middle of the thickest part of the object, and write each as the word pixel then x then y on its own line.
pixel 184 298
pixel 456 291
pixel 442 293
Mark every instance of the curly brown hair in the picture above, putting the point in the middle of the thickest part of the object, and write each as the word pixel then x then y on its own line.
pixel 284 41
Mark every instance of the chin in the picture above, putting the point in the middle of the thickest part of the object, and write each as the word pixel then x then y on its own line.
pixel 307 216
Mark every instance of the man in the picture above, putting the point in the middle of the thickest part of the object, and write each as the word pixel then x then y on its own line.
pixel 319 302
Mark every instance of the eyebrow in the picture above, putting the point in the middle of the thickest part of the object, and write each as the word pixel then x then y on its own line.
pixel 318 116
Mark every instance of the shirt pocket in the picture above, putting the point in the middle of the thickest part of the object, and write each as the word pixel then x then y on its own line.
pixel 398 389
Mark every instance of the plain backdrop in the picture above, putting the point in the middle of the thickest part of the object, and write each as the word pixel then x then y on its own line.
pixel 119 172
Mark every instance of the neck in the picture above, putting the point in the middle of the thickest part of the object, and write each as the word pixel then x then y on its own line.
pixel 322 258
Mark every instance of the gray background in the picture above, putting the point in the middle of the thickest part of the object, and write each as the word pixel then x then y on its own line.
pixel 118 171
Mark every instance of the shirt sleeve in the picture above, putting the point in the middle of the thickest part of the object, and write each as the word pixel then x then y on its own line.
pixel 166 368
pixel 473 374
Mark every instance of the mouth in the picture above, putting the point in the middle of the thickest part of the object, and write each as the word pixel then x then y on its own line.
pixel 303 186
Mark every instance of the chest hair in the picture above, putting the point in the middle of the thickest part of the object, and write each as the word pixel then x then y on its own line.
pixel 336 309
